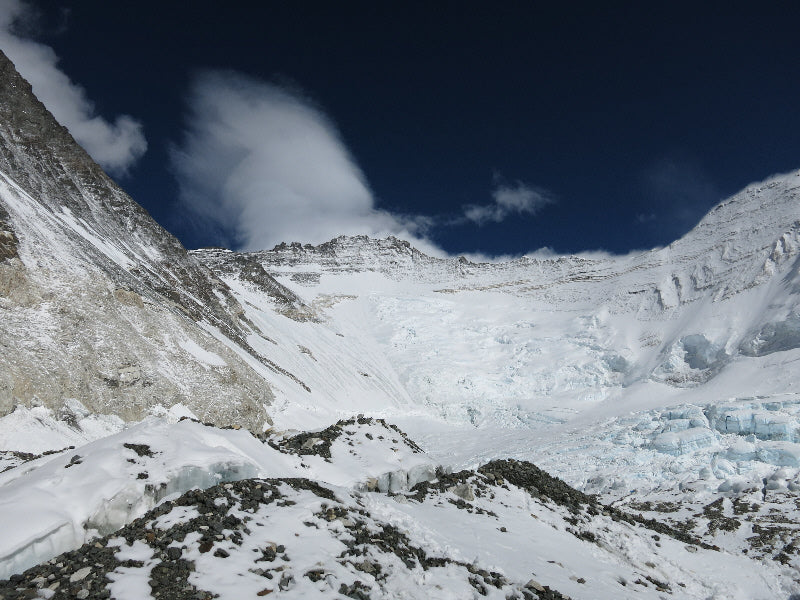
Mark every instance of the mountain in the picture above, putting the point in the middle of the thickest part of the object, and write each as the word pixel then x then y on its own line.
pixel 182 424
pixel 531 340
pixel 99 302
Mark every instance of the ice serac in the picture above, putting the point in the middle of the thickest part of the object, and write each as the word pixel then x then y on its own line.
pixel 99 302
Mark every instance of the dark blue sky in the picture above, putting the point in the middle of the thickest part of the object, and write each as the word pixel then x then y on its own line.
pixel 635 118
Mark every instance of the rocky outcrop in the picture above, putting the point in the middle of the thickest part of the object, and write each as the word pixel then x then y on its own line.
pixel 8 239
pixel 245 268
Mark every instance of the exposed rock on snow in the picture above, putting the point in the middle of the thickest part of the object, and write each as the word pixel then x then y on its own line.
pixel 294 537
pixel 55 502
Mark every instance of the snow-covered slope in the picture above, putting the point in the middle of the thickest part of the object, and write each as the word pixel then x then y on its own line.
pixel 537 340
pixel 287 517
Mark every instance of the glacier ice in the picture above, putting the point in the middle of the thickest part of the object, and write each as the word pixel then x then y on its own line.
pixel 756 419
pixel 776 336
pixel 684 441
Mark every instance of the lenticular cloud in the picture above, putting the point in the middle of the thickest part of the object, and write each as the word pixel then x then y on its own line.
pixel 265 166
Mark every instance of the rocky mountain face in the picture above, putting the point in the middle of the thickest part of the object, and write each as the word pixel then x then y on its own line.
pixel 98 302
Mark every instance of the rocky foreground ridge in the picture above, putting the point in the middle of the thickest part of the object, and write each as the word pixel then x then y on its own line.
pixel 435 535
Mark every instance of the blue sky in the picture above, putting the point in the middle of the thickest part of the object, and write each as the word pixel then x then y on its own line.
pixel 467 127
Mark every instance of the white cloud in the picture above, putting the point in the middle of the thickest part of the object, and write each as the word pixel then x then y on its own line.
pixel 519 198
pixel 265 166
pixel 678 193
pixel 116 145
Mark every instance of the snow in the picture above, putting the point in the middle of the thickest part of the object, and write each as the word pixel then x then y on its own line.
pixel 681 442
pixel 70 502
pixel 531 342
pixel 100 491
pixel 102 244
pixel 201 354
pixel 132 583
pixel 522 539
pixel 486 360
pixel 37 429
pixel 60 501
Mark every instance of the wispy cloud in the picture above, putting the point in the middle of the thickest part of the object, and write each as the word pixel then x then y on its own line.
pixel 264 165
pixel 677 192
pixel 116 145
pixel 508 199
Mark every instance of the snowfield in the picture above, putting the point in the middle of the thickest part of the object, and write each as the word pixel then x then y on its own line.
pixel 662 384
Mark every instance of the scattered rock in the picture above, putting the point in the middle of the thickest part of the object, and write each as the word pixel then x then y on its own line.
pixel 140 449
pixel 80 574
pixel 534 585
pixel 462 491
pixel 310 443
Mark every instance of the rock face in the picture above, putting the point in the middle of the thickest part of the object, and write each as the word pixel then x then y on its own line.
pixel 98 302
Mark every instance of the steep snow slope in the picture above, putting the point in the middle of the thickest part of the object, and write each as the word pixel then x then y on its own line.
pixel 341 374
